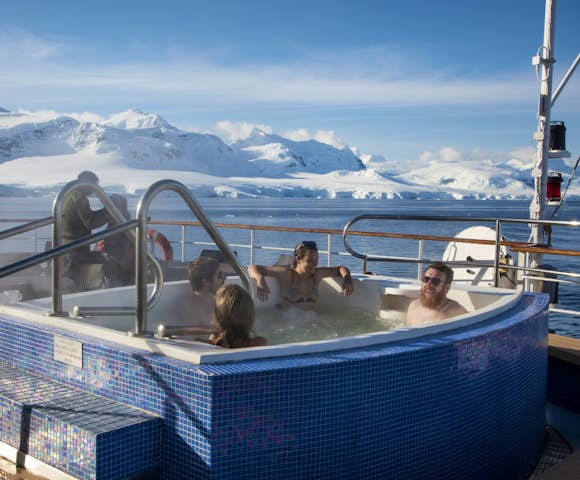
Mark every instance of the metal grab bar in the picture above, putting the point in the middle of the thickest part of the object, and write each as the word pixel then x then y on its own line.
pixel 385 258
pixel 11 232
pixel 498 242
pixel 141 244
pixel 123 226
pixel 56 251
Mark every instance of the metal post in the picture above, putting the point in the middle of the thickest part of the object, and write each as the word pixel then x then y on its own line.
pixel 544 62
pixel 252 246
pixel 329 247
pixel 141 268
pixel 497 253
pixel 420 256
pixel 183 243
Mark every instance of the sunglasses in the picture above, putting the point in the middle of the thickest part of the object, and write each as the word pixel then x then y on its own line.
pixel 434 280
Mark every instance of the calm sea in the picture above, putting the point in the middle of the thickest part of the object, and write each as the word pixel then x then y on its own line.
pixel 333 214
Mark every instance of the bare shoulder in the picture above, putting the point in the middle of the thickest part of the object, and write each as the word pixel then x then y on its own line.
pixel 413 305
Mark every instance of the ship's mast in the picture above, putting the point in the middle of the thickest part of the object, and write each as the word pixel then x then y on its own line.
pixel 544 62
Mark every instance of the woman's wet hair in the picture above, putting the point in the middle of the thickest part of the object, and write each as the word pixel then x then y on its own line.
pixel 234 316
pixel 301 249
pixel 204 268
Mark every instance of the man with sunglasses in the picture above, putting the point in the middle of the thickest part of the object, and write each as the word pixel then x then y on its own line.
pixel 299 282
pixel 433 304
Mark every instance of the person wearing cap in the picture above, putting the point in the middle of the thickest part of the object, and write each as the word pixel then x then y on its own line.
pixel 433 304
pixel 299 282
pixel 78 220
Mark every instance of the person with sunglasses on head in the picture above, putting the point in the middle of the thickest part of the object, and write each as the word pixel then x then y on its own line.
pixel 433 304
pixel 299 282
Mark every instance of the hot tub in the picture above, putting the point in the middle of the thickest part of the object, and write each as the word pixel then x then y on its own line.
pixel 459 399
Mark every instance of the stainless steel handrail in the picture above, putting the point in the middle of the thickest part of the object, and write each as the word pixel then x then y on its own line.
pixel 498 241
pixel 33 225
pixel 141 244
pixel 56 251
pixel 519 246
pixel 385 258
pixel 57 261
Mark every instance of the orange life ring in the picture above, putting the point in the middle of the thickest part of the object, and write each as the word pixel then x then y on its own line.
pixel 161 240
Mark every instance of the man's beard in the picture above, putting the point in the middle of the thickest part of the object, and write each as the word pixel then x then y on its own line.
pixel 432 301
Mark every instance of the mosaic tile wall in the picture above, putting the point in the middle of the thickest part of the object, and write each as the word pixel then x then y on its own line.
pixel 465 404
pixel 70 429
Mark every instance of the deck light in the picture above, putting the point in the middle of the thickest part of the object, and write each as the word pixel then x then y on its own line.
pixel 553 182
pixel 557 136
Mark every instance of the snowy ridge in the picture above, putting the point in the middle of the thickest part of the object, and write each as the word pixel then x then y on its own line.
pixel 131 150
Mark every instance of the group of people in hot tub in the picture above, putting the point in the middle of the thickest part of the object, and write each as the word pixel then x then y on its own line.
pixel 231 311
pixel 230 308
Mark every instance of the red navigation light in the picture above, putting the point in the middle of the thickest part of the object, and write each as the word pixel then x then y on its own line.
pixel 554 180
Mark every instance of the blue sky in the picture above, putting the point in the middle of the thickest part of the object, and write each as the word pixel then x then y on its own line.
pixel 395 78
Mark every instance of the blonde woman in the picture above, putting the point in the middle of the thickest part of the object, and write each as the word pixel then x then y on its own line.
pixel 234 318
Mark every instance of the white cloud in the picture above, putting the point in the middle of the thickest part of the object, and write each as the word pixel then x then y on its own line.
pixel 519 158
pixel 232 131
pixel 346 78
pixel 20 45
pixel 44 115
pixel 452 155
pixel 324 136
pixel 449 154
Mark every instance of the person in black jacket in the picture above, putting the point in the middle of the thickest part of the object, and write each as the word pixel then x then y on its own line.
pixel 119 250
pixel 78 220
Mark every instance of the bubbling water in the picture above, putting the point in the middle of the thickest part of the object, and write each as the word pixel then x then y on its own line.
pixel 290 325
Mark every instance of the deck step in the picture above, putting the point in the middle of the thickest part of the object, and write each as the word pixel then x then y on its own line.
pixel 564 348
pixel 75 432
pixel 564 371
pixel 567 469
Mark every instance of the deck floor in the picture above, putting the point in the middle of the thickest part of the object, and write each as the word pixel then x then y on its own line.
pixel 9 471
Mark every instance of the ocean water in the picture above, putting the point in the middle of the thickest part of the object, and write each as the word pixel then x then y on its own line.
pixel 334 214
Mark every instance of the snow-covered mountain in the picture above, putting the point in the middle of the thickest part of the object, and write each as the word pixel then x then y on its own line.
pixel 131 150
pixel 273 155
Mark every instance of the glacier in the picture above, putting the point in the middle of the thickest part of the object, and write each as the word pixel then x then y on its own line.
pixel 131 150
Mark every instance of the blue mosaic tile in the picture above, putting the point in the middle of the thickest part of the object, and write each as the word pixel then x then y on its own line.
pixel 77 432
pixel 468 403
